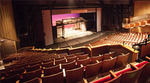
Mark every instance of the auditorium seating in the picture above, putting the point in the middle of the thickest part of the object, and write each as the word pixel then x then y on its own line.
pixel 122 60
pixel 14 72
pixel 11 79
pixel 108 55
pixel 31 75
pixel 93 69
pixel 131 76
pixel 48 64
pixel 145 74
pixel 35 80
pixel 32 68
pixel 108 64
pixel 115 79
pixel 75 75
pixel 96 58
pixel 52 70
pixel 68 66
pixel 55 78
pixel 130 70
pixel 70 59
pixel 102 61
pixel 128 39
pixel 84 62
pixel 61 61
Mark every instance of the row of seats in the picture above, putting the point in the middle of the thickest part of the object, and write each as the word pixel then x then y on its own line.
pixel 100 67
pixel 127 38
pixel 136 74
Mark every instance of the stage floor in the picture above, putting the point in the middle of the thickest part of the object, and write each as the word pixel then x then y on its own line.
pixel 80 41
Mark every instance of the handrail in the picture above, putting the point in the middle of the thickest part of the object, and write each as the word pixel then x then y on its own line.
pixel 25 48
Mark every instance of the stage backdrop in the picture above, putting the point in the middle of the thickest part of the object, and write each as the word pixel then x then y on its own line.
pixel 64 16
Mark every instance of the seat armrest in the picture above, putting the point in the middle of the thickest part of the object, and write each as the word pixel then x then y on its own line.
pixel 147 58
pixel 133 66
pixel 112 74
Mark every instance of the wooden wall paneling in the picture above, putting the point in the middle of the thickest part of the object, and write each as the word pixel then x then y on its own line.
pixel 141 7
pixel 7 21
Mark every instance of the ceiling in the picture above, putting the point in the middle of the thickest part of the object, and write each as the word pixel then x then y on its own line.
pixel 61 4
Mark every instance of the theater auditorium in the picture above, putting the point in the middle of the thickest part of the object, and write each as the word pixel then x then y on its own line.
pixel 74 41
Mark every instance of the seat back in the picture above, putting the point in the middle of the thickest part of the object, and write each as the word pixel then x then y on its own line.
pixel 122 60
pixel 74 75
pixel 61 61
pixel 99 58
pixel 47 60
pixel 59 58
pixel 55 78
pixel 52 70
pixel 72 59
pixel 11 79
pixel 68 66
pixel 35 63
pixel 32 68
pixel 14 72
pixel 85 56
pixel 31 75
pixel 35 80
pixel 84 62
pixel 93 69
pixel 107 56
pixel 48 64
pixel 115 80
pixel 131 76
pixel 70 56
pixel 145 74
pixel 108 65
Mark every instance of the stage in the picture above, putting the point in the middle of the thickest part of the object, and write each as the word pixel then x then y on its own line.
pixel 79 41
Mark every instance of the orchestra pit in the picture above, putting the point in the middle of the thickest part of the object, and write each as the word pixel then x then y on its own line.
pixel 74 41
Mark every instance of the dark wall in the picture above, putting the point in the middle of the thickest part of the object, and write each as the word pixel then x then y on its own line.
pixel 8 47
pixel 29 26
pixel 90 20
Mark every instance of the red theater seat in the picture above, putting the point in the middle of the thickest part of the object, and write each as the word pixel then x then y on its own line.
pixel 14 72
pixel 108 65
pixel 47 60
pixel 68 66
pixel 32 68
pixel 61 61
pixel 108 55
pixel 75 75
pixel 95 58
pixel 55 78
pixel 122 60
pixel 70 56
pixel 145 74
pixel 70 59
pixel 31 75
pixel 131 76
pixel 52 70
pixel 84 62
pixel 48 64
pixel 35 80
pixel 107 78
pixel 11 79
pixel 115 80
pixel 93 69
pixel 85 56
